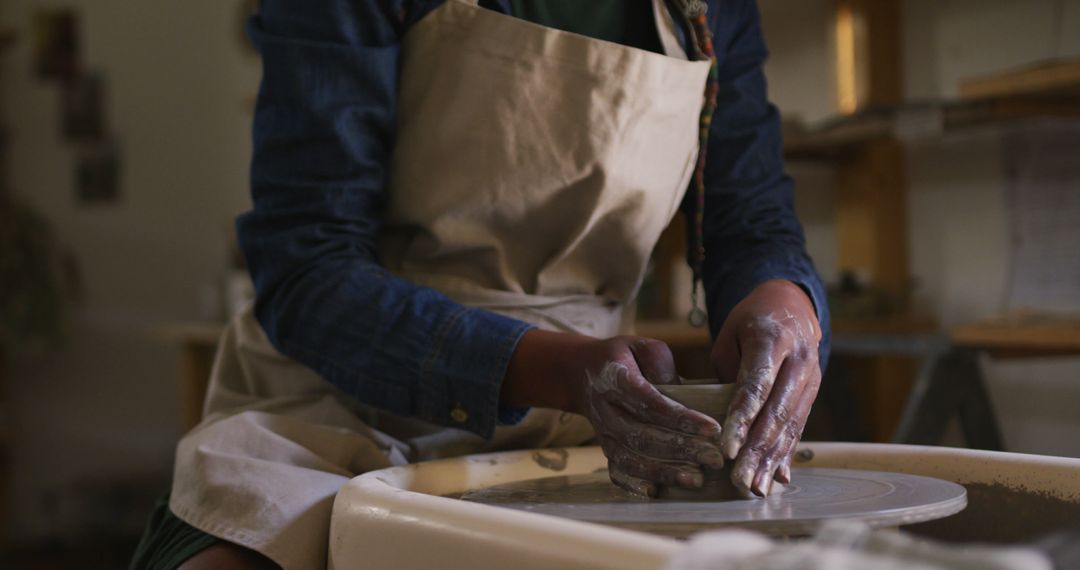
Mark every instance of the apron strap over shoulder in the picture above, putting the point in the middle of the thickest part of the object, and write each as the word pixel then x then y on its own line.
pixel 665 27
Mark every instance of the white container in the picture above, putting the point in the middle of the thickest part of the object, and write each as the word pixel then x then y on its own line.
pixel 406 517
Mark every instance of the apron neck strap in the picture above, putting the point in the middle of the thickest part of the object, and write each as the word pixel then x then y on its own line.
pixel 696 13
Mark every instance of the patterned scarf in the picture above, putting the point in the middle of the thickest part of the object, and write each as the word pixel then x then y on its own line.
pixel 695 11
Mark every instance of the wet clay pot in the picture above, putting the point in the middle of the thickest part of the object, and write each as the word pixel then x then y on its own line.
pixel 712 400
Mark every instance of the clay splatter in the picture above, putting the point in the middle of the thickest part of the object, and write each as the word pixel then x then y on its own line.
pixel 554 459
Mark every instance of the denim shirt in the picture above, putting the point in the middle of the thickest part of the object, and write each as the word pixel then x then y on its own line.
pixel 323 133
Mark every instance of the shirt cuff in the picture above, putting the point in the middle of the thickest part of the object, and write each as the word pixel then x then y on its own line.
pixel 511 416
pixel 472 353
pixel 724 291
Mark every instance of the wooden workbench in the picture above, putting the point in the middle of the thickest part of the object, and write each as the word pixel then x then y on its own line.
pixel 198 343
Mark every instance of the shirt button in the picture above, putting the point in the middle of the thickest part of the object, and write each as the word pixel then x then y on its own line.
pixel 459 415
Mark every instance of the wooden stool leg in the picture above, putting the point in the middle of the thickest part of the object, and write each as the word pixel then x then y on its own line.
pixel 953 386
pixel 976 412
pixel 917 399
pixel 933 401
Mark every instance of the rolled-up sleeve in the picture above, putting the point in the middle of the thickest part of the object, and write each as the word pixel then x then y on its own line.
pixel 323 133
pixel 751 233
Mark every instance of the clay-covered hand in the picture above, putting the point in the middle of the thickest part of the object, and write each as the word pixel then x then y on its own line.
pixel 647 438
pixel 768 346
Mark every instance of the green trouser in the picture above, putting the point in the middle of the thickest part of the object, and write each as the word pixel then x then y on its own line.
pixel 168 541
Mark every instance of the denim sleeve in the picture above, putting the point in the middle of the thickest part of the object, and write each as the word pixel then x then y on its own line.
pixel 751 234
pixel 323 132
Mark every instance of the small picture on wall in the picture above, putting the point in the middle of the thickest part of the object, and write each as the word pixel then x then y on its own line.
pixel 83 99
pixel 56 43
pixel 97 175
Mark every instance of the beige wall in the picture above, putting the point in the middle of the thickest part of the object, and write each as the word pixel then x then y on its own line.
pixel 177 81
pixel 957 214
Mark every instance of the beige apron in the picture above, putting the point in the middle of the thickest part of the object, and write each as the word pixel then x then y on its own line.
pixel 533 172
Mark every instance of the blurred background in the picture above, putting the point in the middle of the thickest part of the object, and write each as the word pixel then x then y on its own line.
pixel 934 145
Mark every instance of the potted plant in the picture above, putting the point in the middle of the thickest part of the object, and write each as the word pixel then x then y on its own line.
pixel 38 280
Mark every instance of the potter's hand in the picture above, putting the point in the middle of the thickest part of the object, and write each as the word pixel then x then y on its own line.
pixel 647 438
pixel 768 346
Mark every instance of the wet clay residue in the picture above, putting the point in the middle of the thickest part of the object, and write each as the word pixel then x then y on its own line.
pixel 1001 514
pixel 554 459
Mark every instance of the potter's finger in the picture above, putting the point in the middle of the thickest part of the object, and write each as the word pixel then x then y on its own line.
pixel 783 474
pixel 659 443
pixel 751 466
pixel 661 472
pixel 790 441
pixel 781 409
pixel 632 484
pixel 655 361
pixel 756 465
pixel 760 455
pixel 766 472
pixel 644 402
pixel 757 373
pixel 774 460
pixel 777 465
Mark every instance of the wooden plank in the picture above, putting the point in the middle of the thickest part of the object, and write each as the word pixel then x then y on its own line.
pixel 890 326
pixel 1021 335
pixel 196 363
pixel 198 345
pixel 1053 77
pixel 832 141
pixel 978 113
pixel 837 140
pixel 1029 353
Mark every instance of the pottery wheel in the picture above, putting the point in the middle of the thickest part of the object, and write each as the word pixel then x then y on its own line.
pixel 879 499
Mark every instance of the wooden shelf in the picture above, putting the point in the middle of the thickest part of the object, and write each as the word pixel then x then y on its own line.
pixel 1051 78
pixel 836 138
pixel 1021 334
pixel 885 326
pixel 198 345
